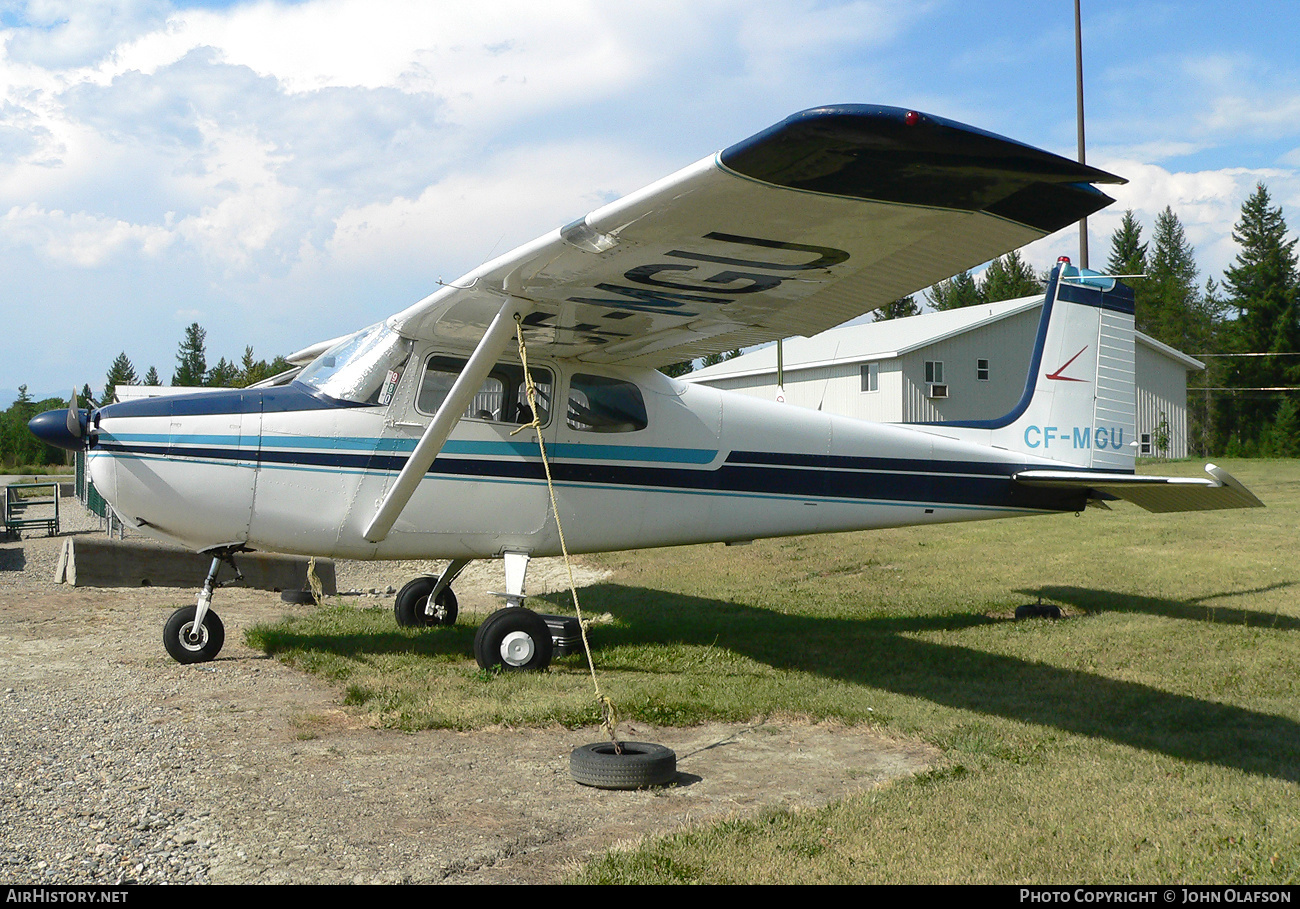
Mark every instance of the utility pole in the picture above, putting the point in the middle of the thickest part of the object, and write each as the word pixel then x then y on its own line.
pixel 1078 92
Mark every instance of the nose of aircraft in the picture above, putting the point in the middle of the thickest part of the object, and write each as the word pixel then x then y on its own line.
pixel 62 428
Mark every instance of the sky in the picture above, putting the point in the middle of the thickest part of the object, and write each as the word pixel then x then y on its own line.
pixel 286 172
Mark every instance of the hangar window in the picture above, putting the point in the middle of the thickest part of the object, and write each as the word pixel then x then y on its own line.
pixel 934 372
pixel 503 397
pixel 602 404
pixel 982 370
pixel 871 377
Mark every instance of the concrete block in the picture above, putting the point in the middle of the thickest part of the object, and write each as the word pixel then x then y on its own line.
pixel 103 562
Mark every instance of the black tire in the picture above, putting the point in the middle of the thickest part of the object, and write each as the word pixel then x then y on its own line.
pixel 639 766
pixel 410 607
pixel 200 650
pixel 1038 611
pixel 514 639
pixel 300 597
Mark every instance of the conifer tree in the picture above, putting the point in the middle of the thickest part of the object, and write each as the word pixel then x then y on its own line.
pixel 191 359
pixel 120 373
pixel 1261 287
pixel 1009 278
pixel 955 292
pixel 898 309
pixel 1128 254
pixel 224 375
pixel 1170 306
pixel 151 377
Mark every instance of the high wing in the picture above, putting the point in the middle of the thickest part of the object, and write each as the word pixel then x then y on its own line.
pixel 829 214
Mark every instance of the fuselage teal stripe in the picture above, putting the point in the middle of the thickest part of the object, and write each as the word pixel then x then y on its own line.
pixel 520 448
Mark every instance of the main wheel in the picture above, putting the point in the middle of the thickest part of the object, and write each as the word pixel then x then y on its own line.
pixel 190 644
pixel 513 638
pixel 411 605
pixel 630 765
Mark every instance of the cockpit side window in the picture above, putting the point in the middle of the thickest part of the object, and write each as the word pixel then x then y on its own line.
pixel 363 368
pixel 503 397
pixel 603 404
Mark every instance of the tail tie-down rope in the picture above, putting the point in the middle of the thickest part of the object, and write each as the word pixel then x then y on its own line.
pixel 609 717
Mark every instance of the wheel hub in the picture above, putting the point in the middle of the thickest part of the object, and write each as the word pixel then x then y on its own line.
pixel 193 637
pixel 517 648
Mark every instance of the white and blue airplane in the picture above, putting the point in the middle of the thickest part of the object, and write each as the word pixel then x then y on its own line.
pixel 402 441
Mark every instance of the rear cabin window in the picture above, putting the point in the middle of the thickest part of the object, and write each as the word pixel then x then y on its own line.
pixel 602 404
pixel 503 397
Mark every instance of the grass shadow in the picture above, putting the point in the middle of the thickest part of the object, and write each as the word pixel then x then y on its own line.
pixel 1201 609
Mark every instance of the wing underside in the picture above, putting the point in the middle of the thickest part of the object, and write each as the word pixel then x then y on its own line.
pixel 827 215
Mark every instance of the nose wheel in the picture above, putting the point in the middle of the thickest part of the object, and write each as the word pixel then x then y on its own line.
pixel 189 641
pixel 194 634
pixel 414 609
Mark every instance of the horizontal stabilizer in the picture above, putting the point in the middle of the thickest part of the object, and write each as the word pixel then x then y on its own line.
pixel 1157 494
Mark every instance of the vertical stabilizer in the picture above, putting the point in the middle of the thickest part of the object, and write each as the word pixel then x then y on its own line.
pixel 1079 402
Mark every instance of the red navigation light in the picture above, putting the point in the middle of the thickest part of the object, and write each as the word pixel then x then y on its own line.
pixel 1063 260
pixel 911 118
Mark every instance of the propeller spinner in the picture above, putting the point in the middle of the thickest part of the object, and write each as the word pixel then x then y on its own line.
pixel 68 429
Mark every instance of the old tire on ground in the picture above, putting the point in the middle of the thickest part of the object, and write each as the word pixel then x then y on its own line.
pixel 1038 611
pixel 199 648
pixel 639 766
pixel 410 607
pixel 300 597
pixel 514 639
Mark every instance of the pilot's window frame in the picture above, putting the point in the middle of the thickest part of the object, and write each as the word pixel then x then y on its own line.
pixel 617 416
pixel 509 377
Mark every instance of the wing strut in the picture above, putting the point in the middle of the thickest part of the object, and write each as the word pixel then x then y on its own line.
pixel 444 421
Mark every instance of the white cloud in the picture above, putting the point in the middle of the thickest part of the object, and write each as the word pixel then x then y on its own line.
pixel 62 34
pixel 475 214
pixel 78 239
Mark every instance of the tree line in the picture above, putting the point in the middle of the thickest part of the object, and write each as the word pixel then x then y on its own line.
pixel 19 447
pixel 191 370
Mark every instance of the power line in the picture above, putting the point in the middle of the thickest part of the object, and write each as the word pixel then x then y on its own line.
pixel 1286 354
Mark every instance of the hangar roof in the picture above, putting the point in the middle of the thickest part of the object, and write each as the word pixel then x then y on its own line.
pixel 886 340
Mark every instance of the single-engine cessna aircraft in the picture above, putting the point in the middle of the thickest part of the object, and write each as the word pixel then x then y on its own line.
pixel 401 441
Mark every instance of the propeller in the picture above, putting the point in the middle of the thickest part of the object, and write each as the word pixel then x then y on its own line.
pixel 77 420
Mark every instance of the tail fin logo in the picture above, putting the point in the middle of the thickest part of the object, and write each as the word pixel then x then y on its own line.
pixel 1056 376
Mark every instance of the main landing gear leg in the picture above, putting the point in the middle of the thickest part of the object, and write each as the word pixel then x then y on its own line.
pixel 194 634
pixel 514 638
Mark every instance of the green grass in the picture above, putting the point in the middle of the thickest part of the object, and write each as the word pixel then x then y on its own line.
pixel 1153 734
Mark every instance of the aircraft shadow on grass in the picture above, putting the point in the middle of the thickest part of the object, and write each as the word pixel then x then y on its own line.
pixel 876 652
pixel 1201 609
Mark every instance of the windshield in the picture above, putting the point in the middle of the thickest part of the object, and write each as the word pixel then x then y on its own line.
pixel 363 368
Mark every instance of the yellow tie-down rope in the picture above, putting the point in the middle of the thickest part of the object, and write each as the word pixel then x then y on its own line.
pixel 609 717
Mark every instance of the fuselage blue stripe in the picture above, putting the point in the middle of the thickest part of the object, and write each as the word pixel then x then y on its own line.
pixel 917 481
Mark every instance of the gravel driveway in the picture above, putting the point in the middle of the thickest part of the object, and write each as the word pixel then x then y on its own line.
pixel 118 765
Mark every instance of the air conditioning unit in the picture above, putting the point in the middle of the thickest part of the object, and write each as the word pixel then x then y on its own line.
pixel 938 391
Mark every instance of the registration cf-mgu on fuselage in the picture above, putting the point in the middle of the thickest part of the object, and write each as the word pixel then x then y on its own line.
pixel 416 437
